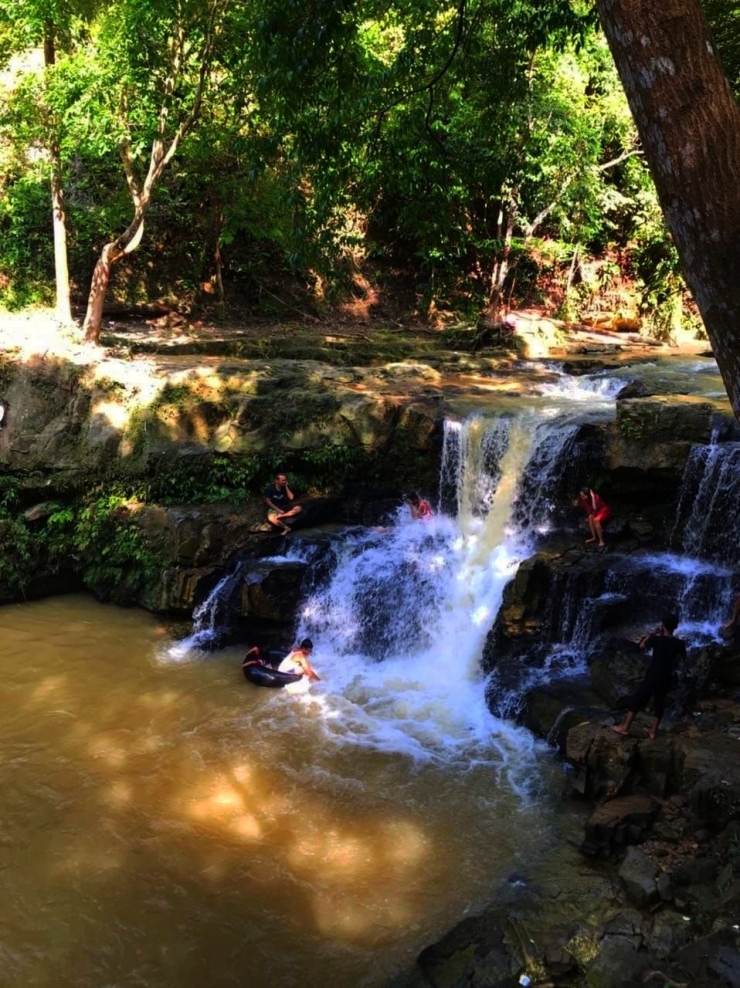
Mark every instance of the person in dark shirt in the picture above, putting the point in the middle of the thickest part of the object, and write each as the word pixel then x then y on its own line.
pixel 666 652
pixel 279 499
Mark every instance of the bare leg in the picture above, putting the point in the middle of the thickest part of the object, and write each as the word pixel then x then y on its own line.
pixel 275 521
pixel 591 525
pixel 653 729
pixel 599 532
pixel 289 514
pixel 625 728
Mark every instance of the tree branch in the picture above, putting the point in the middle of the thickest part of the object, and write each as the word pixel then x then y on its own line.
pixel 128 167
pixel 618 161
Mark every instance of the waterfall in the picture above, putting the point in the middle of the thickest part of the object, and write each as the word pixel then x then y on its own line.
pixel 399 627
pixel 210 617
pixel 213 617
pixel 707 518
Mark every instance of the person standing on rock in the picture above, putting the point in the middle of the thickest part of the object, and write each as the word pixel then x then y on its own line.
pixel 666 652
pixel 598 513
pixel 279 499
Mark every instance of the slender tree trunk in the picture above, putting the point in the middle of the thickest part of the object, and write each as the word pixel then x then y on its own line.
pixel 59 219
pixel 689 124
pixel 505 231
pixel 218 260
pixel 59 216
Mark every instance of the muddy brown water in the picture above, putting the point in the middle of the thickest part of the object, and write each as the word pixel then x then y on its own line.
pixel 167 824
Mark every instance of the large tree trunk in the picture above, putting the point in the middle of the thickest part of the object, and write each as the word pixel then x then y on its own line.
pixel 689 124
pixel 59 216
pixel 109 255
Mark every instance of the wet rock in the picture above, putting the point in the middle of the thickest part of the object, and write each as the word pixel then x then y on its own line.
pixel 177 590
pixel 551 710
pixel 664 884
pixel 711 778
pixel 271 591
pixel 724 662
pixel 660 419
pixel 604 760
pixel 635 389
pixel 659 766
pixel 696 871
pixel 617 824
pixel 559 964
pixel 713 959
pixel 670 931
pixel 637 875
pixel 619 962
pixel 616 674
pixel 200 535
pixel 474 953
pixel 544 600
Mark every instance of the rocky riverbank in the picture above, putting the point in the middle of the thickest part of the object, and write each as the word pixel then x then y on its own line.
pixel 651 893
pixel 644 886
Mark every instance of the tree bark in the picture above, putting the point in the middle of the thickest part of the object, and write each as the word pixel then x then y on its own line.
pixel 505 234
pixel 162 152
pixel 110 254
pixel 58 213
pixel 689 124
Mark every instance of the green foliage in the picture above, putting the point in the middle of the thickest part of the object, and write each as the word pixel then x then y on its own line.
pixel 220 478
pixel 724 18
pixel 431 139
pixel 26 248
pixel 100 539
pixel 17 555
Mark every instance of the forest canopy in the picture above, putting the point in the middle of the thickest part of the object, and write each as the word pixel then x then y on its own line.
pixel 468 155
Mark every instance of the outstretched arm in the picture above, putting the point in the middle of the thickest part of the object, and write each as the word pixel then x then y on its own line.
pixel 309 670
pixel 253 655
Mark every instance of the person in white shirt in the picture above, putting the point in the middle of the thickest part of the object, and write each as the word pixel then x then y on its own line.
pixel 297 662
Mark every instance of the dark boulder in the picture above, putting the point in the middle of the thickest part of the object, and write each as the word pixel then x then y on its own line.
pixel 551 710
pixel 271 591
pixel 637 875
pixel 616 674
pixel 617 824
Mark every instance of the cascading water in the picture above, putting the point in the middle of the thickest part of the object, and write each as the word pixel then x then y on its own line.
pixel 400 626
pixel 210 617
pixel 708 520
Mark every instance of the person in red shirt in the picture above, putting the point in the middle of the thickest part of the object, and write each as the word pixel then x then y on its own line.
pixel 419 507
pixel 597 512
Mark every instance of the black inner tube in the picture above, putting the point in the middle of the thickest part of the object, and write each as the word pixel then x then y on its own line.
pixel 264 675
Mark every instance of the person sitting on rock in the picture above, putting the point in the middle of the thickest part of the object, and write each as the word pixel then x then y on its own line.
pixel 666 652
pixel 279 498
pixel 733 624
pixel 297 662
pixel 598 513
pixel 420 509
